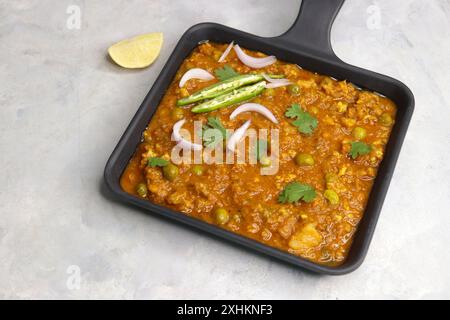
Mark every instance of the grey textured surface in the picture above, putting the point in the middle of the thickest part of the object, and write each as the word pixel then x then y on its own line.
pixel 64 107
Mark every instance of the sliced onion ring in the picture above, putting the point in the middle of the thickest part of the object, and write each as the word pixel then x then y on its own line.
pixel 237 136
pixel 195 73
pixel 226 52
pixel 272 80
pixel 256 107
pixel 253 62
pixel 183 143
pixel 276 85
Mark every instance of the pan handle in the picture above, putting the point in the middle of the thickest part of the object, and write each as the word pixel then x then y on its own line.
pixel 311 30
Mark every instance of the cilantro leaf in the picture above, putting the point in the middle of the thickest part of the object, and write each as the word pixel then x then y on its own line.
pixel 211 139
pixel 293 111
pixel 305 122
pixel 225 73
pixel 359 149
pixel 215 123
pixel 296 191
pixel 261 148
pixel 157 162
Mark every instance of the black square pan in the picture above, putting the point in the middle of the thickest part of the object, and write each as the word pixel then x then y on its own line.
pixel 306 43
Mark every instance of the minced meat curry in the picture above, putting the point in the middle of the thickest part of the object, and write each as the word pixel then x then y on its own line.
pixel 332 137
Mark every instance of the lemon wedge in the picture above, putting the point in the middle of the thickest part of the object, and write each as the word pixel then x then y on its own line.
pixel 138 52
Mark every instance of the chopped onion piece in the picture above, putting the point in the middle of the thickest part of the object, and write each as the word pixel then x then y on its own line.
pixel 226 52
pixel 256 107
pixel 186 145
pixel 195 73
pixel 272 80
pixel 276 85
pixel 253 62
pixel 237 136
pixel 183 143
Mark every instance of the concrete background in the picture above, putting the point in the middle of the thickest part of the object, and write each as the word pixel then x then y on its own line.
pixel 64 106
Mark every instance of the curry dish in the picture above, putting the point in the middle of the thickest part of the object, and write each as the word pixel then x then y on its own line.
pixel 332 137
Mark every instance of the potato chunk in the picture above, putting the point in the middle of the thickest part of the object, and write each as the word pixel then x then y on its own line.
pixel 306 238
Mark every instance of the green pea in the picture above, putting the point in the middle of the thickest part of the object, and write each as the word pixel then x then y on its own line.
pixel 197 170
pixel 304 159
pixel 147 136
pixel 294 89
pixel 170 171
pixel 331 196
pixel 177 114
pixel 314 110
pixel 265 161
pixel 386 119
pixel 359 133
pixel 221 215
pixel 141 190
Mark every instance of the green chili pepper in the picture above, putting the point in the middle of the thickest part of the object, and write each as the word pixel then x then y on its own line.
pixel 231 98
pixel 223 87
pixel 276 76
pixel 220 88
